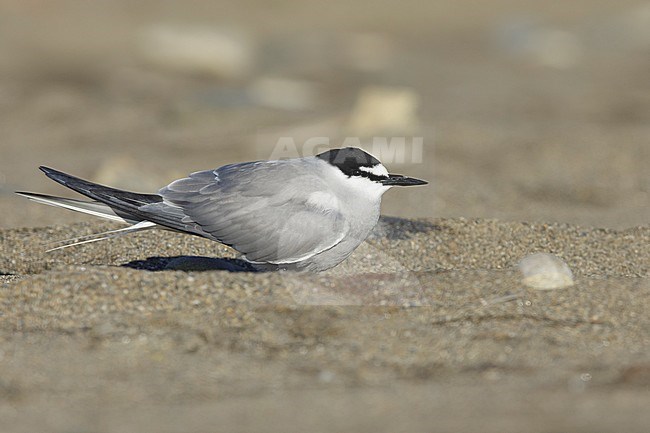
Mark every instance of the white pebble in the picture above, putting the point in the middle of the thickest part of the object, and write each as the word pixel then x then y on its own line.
pixel 384 110
pixel 326 376
pixel 544 271
pixel 283 93
pixel 541 45
pixel 197 50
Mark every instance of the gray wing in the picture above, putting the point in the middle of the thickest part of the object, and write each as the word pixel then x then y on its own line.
pixel 272 211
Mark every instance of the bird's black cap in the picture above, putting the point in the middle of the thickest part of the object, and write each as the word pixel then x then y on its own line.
pixel 349 160
pixel 353 161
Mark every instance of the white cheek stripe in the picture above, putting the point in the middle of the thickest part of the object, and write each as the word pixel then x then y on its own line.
pixel 377 170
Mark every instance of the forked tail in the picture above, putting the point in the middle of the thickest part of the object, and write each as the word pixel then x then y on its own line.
pixel 140 211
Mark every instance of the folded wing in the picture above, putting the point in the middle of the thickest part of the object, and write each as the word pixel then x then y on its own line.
pixel 260 211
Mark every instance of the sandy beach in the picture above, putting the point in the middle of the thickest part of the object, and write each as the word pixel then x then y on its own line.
pixel 106 340
pixel 534 125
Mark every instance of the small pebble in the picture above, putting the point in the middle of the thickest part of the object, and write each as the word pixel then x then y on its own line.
pixel 283 93
pixel 526 39
pixel 326 376
pixel 384 110
pixel 544 271
pixel 197 50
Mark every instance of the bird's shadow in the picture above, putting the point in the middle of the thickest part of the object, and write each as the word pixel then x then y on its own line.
pixel 190 264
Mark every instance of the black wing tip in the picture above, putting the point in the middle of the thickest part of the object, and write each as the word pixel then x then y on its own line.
pixel 58 176
pixel 49 171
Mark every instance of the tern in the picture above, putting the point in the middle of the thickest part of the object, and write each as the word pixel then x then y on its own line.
pixel 304 214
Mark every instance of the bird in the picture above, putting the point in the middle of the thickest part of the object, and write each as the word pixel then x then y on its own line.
pixel 302 214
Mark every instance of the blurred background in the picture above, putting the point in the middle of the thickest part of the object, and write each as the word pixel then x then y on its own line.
pixel 517 110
